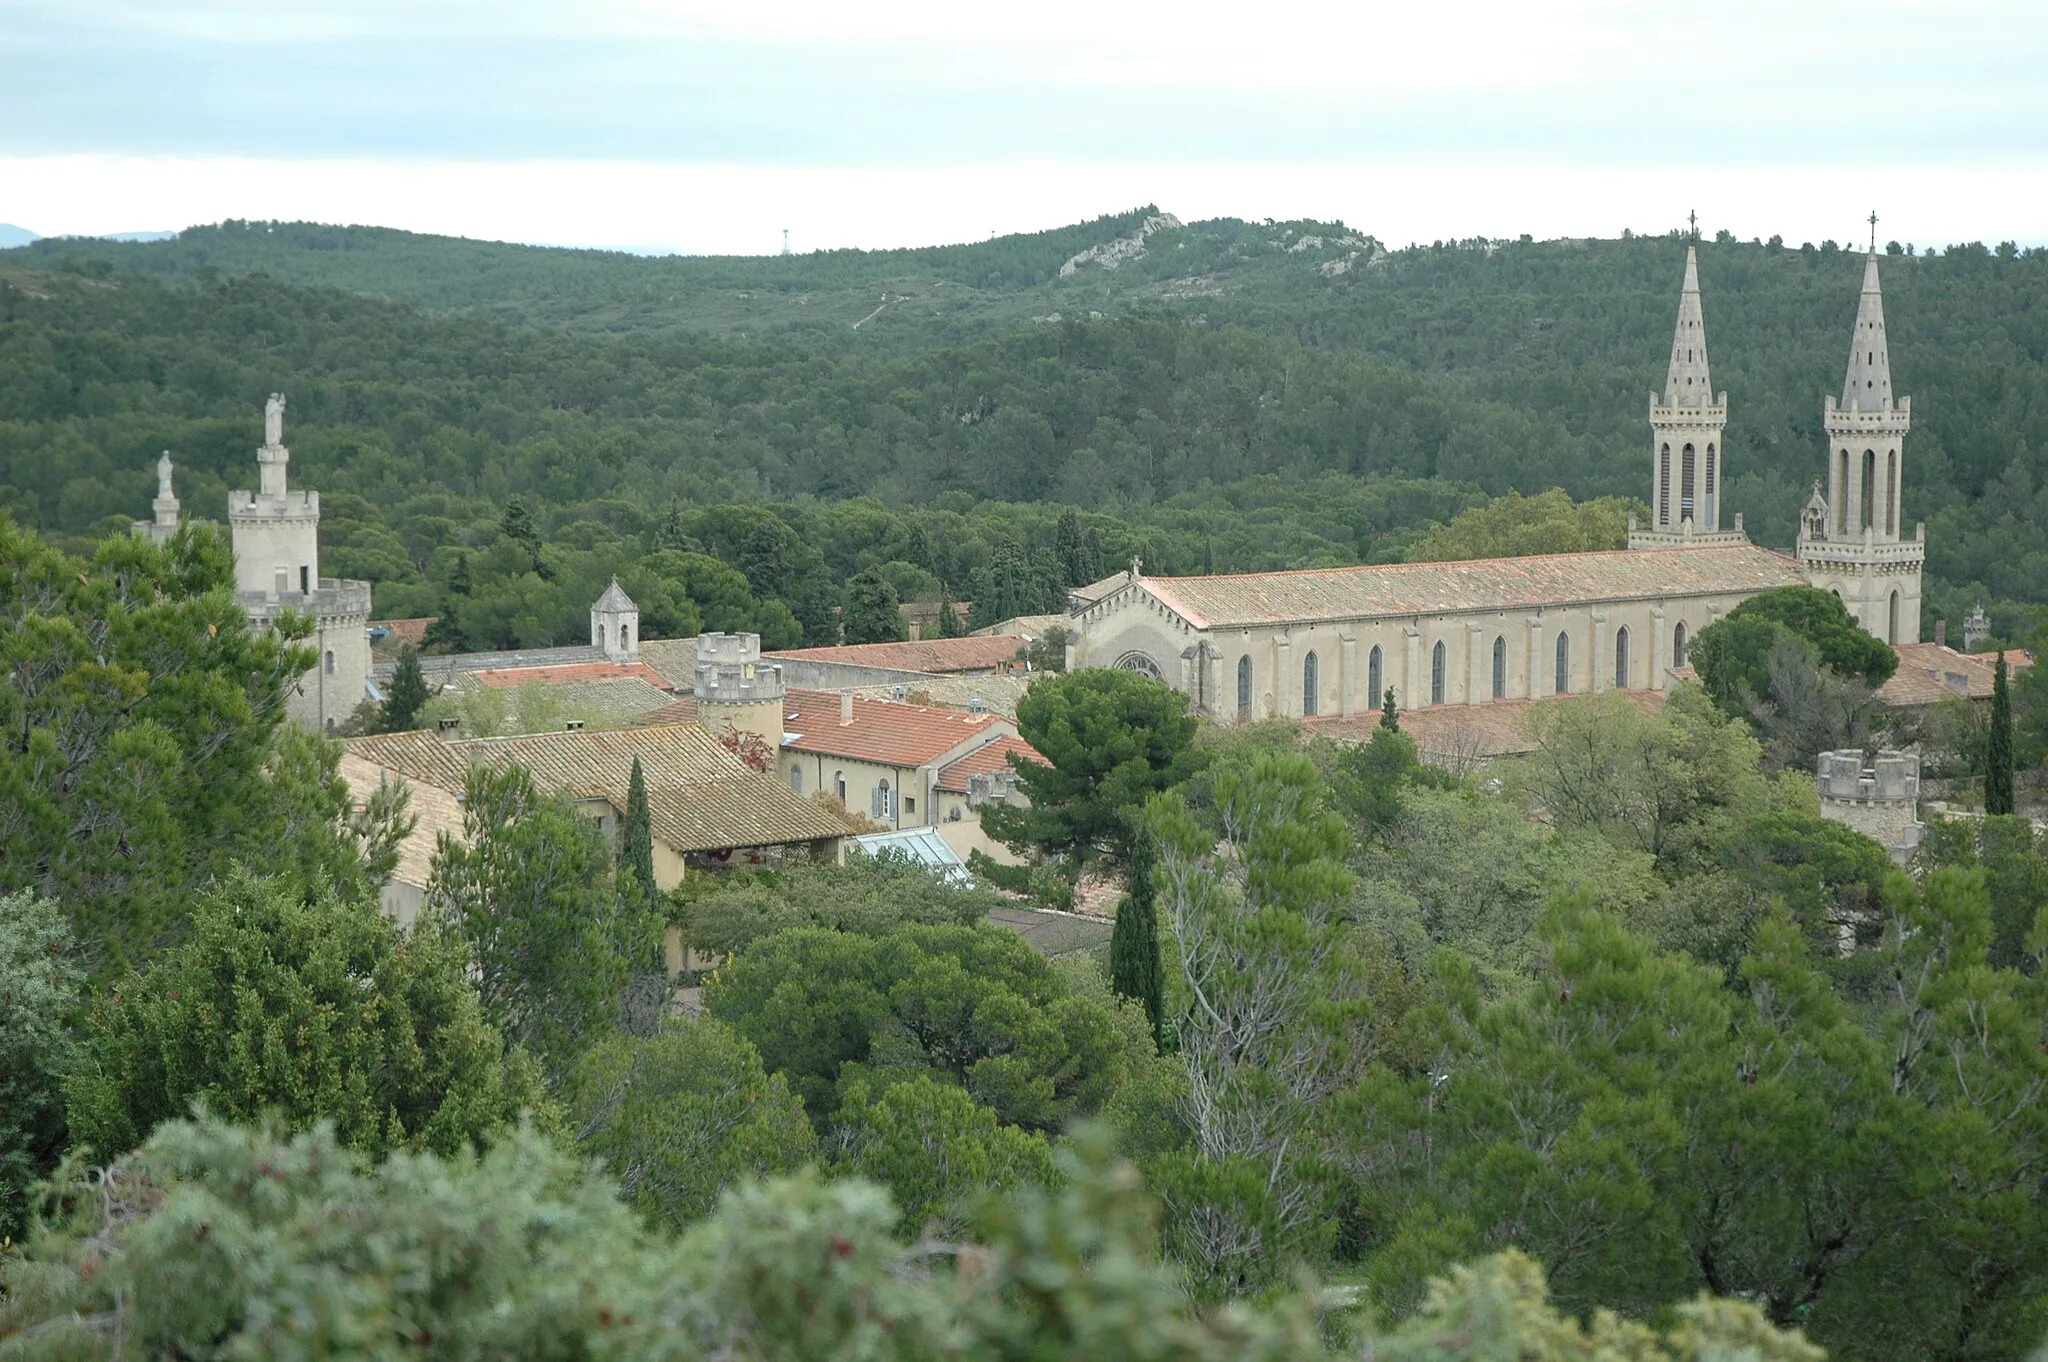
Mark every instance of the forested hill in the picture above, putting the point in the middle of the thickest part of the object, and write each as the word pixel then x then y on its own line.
pixel 1220 373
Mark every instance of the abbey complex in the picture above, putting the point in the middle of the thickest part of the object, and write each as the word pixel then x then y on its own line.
pixel 1332 641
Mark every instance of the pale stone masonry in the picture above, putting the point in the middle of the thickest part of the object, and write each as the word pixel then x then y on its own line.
pixel 1329 643
pixel 1879 796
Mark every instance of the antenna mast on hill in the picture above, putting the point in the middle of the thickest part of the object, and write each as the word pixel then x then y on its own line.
pixel 785 241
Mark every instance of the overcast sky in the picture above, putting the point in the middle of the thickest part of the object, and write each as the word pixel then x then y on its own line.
pixel 701 126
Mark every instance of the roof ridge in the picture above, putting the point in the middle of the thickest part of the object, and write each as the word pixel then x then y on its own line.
pixel 1454 562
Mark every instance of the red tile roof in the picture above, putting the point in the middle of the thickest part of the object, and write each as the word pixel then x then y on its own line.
pixel 1931 672
pixel 977 653
pixel 1457 735
pixel 982 760
pixel 883 731
pixel 571 674
pixel 1395 589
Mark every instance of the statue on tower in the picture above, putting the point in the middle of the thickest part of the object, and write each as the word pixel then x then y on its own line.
pixel 163 477
pixel 273 420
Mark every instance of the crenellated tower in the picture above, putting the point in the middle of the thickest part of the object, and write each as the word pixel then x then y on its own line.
pixel 1849 538
pixel 1686 447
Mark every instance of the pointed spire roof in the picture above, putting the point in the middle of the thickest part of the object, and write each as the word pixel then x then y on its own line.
pixel 1868 386
pixel 1688 384
pixel 614 599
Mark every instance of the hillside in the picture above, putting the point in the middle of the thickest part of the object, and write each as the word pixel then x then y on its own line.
pixel 1231 366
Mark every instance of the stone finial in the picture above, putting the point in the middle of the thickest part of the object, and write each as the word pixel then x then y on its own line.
pixel 273 420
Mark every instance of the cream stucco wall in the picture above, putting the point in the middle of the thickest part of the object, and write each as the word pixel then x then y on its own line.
pixel 1204 664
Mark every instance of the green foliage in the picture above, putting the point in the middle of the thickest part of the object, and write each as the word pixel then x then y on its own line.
pixel 636 847
pixel 1661 784
pixel 406 695
pixel 1732 654
pixel 218 1241
pixel 1270 992
pixel 139 707
pixel 1514 525
pixel 974 1006
pixel 552 942
pixel 1134 968
pixel 683 1114
pixel 868 895
pixel 39 989
pixel 1998 745
pixel 933 1146
pixel 309 1011
pixel 1113 739
pixel 873 614
pixel 1390 715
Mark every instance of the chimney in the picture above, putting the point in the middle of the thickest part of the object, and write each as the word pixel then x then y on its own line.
pixel 1941 633
pixel 845 707
pixel 448 729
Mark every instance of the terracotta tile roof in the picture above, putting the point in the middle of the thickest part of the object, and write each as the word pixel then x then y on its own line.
pixel 975 653
pixel 569 673
pixel 413 631
pixel 883 732
pixel 1931 672
pixel 997 694
pixel 701 797
pixel 1459 735
pixel 982 760
pixel 434 811
pixel 1095 591
pixel 1025 626
pixel 674 658
pixel 1399 589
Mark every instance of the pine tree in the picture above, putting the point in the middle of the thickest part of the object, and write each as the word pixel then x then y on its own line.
pixel 458 580
pixel 671 536
pixel 1390 718
pixel 873 614
pixel 1074 561
pixel 1134 969
pixel 636 838
pixel 1998 750
pixel 401 710
pixel 517 524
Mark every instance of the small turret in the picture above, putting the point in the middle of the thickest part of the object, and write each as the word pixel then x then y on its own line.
pixel 615 625
pixel 737 692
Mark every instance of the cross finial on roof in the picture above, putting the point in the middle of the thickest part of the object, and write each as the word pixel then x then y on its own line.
pixel 1873 231
pixel 1137 566
pixel 1693 220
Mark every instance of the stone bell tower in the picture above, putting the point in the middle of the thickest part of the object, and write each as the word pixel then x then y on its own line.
pixel 1849 539
pixel 1687 450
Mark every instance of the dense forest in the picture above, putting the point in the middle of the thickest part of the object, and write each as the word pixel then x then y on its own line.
pixel 1230 396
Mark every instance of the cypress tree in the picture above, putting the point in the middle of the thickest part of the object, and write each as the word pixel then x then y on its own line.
pixel 1998 751
pixel 1390 718
pixel 1134 969
pixel 401 711
pixel 636 837
pixel 949 615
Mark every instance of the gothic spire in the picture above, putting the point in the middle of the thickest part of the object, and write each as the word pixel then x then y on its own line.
pixel 1868 386
pixel 1687 383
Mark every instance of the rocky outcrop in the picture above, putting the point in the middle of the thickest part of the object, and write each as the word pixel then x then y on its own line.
pixel 1112 254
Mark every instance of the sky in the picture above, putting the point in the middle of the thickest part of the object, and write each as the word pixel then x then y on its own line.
pixel 702 126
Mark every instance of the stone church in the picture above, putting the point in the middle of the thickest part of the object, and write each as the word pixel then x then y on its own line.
pixel 276 536
pixel 1331 641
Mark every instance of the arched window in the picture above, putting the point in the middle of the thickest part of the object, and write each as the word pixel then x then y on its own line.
pixel 796 779
pixel 1308 685
pixel 1564 663
pixel 1436 673
pixel 1842 494
pixel 1710 470
pixel 1664 486
pixel 1710 513
pixel 1868 500
pixel 1891 493
pixel 327 663
pixel 1140 663
pixel 626 636
pixel 1892 632
pixel 1685 472
pixel 1372 674
pixel 604 636
pixel 1500 668
pixel 1244 686
pixel 1621 658
pixel 839 785
pixel 1678 644
pixel 883 802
